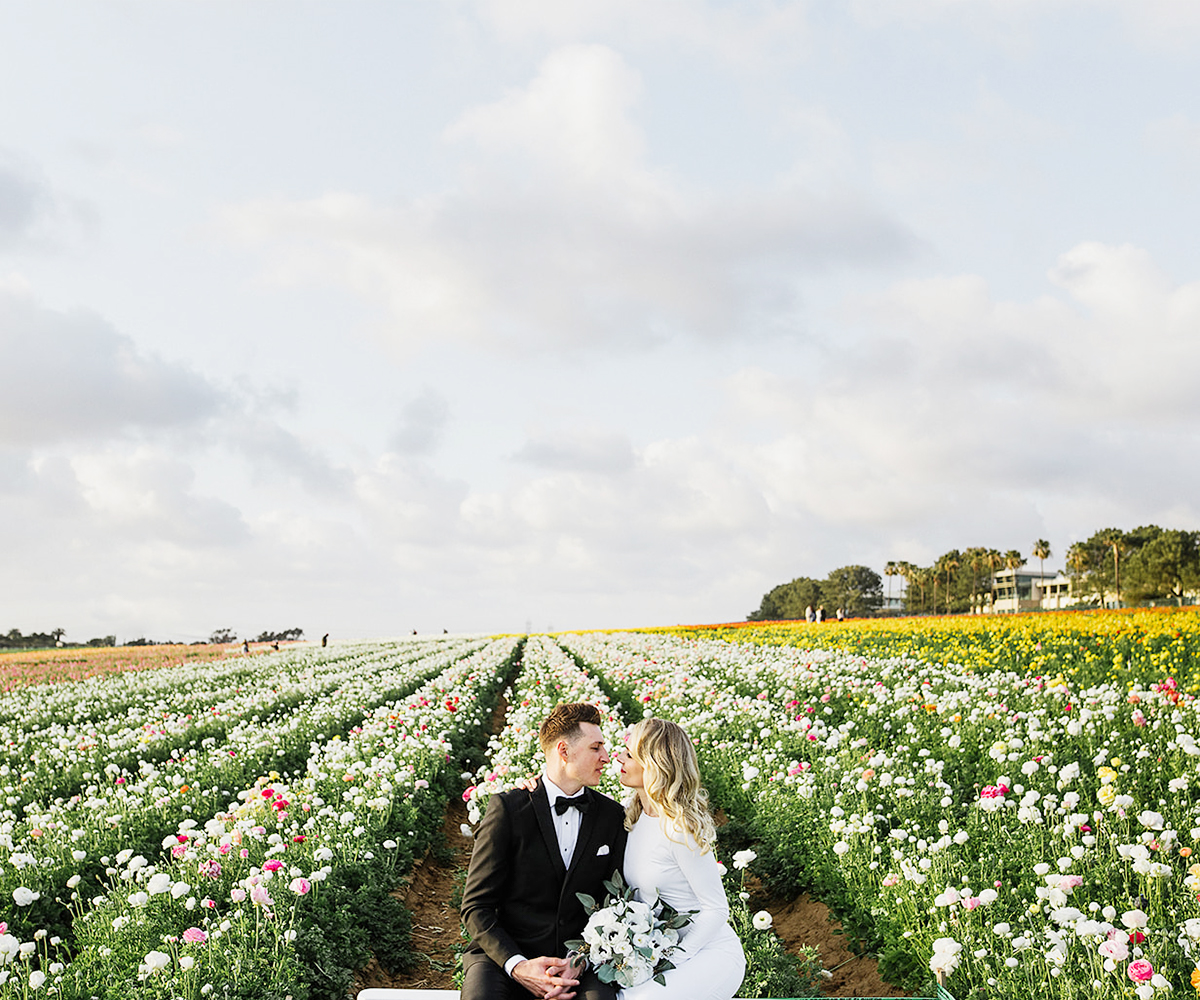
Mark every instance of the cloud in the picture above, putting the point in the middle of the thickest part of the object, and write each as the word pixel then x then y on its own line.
pixel 422 424
pixel 72 376
pixel 560 234
pixel 25 200
pixel 745 35
pixel 582 451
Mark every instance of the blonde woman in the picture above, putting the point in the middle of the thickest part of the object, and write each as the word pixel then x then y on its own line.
pixel 669 852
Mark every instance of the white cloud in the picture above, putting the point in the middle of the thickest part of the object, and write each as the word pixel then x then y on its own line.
pixel 746 34
pixel 72 376
pixel 422 424
pixel 560 234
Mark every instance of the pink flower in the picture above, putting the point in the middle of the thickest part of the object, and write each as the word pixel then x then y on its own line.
pixel 891 879
pixel 467 794
pixel 1140 971
pixel 225 848
pixel 208 904
pixel 971 902
pixel 210 867
pixel 1069 882
pixel 272 865
pixel 237 895
pixel 194 935
pixel 259 895
pixel 300 886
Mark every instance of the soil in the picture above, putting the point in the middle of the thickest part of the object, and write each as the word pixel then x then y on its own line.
pixel 434 887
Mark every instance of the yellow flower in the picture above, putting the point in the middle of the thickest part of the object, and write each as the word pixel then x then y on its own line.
pixel 1107 775
pixel 1106 794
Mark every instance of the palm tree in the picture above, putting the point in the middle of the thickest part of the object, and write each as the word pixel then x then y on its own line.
pixel 945 564
pixel 1041 552
pixel 993 559
pixel 1114 538
pixel 890 570
pixel 1078 561
pixel 1013 560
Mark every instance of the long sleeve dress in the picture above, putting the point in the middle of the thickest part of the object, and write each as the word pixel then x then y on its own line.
pixel 711 964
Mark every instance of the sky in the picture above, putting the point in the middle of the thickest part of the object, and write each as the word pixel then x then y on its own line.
pixel 491 315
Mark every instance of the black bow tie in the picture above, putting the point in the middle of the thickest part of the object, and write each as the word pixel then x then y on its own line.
pixel 562 804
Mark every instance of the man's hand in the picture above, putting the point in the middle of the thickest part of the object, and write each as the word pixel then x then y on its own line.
pixel 546 977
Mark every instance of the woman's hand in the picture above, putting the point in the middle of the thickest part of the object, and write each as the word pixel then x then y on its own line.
pixel 526 784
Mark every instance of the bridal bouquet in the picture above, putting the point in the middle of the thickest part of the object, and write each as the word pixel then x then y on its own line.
pixel 628 941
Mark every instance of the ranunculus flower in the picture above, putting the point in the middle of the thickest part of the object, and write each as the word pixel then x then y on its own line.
pixel 743 858
pixel 23 896
pixel 156 961
pixel 194 935
pixel 300 886
pixel 1140 970
pixel 762 920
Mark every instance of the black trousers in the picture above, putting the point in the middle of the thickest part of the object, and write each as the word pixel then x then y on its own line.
pixel 487 981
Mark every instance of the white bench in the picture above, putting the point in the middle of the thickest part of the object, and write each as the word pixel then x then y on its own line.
pixel 382 993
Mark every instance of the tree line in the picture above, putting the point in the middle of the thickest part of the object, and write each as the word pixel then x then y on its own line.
pixel 1113 567
pixel 16 639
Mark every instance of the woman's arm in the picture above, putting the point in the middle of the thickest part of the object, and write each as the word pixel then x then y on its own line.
pixel 703 876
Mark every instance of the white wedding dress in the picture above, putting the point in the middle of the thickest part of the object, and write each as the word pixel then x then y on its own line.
pixel 711 964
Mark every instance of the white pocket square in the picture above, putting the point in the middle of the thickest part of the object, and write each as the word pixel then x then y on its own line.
pixel 603 851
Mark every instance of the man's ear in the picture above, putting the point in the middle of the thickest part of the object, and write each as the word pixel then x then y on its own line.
pixel 564 749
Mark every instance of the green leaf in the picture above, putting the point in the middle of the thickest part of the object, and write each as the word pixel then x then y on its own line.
pixel 588 902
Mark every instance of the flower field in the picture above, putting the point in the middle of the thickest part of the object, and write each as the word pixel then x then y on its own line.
pixel 1014 801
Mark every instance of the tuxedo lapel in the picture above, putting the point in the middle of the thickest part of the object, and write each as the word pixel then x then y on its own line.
pixel 541 808
pixel 587 831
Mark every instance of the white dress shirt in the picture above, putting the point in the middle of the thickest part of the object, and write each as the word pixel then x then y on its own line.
pixel 566 829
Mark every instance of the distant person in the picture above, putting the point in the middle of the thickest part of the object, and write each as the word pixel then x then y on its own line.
pixel 246 646
pixel 841 614
pixel 275 646
pixel 810 616
pixel 325 640
pixel 821 613
pixel 414 631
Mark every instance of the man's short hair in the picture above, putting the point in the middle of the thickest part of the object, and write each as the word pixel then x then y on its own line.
pixel 564 722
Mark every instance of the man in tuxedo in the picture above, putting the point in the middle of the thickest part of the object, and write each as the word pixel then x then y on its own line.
pixel 533 852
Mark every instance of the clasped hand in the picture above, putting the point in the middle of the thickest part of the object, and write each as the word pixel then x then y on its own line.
pixel 550 978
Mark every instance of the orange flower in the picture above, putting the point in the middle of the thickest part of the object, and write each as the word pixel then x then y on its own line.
pixel 1196 979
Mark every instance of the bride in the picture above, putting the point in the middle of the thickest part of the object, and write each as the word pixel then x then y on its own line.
pixel 671 836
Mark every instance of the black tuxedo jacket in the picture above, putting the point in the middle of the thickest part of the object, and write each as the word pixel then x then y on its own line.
pixel 518 898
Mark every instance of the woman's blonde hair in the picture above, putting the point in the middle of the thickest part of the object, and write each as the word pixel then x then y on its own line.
pixel 671 779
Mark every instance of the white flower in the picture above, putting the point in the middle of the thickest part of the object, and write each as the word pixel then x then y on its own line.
pixel 841 847
pixel 186 962
pixel 465 830
pixel 138 899
pixel 1134 919
pixel 743 858
pixel 945 955
pixel 156 961
pixel 23 896
pixel 160 882
pixel 762 920
pixel 36 978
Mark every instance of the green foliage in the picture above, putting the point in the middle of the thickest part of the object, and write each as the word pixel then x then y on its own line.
pixel 788 601
pixel 856 589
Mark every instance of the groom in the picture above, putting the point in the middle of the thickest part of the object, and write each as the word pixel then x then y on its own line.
pixel 533 851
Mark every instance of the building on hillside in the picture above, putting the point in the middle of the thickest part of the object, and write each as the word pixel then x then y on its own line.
pixel 1025 589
